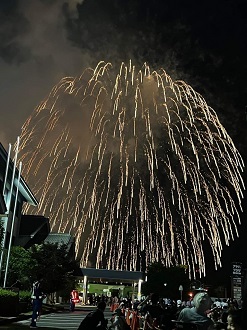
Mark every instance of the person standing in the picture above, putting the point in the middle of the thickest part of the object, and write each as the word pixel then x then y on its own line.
pixel 74 298
pixel 37 299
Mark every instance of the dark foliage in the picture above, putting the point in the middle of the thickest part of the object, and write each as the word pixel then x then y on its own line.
pixel 165 281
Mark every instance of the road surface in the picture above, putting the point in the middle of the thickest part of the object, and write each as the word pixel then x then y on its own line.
pixel 64 320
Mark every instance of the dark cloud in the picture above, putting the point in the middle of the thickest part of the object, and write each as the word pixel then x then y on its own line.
pixel 13 27
pixel 43 41
pixel 35 53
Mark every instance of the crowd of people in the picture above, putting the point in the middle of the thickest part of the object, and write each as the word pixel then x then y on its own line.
pixel 155 313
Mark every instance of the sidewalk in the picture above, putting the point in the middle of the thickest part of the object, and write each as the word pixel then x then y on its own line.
pixel 23 316
pixel 46 309
pixel 10 319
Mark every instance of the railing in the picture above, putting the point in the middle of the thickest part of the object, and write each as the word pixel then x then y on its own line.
pixel 138 322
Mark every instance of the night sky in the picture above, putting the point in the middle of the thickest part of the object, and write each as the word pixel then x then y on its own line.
pixel 202 43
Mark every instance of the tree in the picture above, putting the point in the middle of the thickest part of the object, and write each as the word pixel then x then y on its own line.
pixel 21 266
pixel 54 266
pixel 48 261
pixel 165 281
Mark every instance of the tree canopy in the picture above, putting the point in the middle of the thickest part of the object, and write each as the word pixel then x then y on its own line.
pixel 21 267
pixel 53 265
pixel 49 262
pixel 165 281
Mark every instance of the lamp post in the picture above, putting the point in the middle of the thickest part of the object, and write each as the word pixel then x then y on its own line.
pixel 181 292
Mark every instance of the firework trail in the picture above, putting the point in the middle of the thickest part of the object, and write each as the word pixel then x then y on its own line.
pixel 133 162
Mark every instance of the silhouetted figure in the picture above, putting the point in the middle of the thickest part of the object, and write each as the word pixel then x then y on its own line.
pixel 234 320
pixel 152 311
pixel 197 314
pixel 95 320
pixel 37 299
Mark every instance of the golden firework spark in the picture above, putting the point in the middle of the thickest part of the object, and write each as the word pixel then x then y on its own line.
pixel 133 162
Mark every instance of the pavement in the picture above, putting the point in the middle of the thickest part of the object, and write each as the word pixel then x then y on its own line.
pixel 46 309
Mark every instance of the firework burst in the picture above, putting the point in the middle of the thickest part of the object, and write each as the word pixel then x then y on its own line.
pixel 133 162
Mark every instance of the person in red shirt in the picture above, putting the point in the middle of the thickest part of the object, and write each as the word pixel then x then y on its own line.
pixel 74 298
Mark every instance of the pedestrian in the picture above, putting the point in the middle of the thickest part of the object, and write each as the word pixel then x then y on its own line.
pixel 74 298
pixel 37 299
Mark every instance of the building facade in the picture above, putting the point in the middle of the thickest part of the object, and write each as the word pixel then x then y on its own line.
pixel 27 230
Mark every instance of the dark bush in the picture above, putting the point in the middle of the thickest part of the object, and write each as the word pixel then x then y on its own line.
pixel 25 296
pixel 24 301
pixel 9 301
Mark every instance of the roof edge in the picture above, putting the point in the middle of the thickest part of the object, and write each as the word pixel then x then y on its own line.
pixel 23 187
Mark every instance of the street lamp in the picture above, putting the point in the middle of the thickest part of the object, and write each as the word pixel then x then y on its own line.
pixel 181 291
